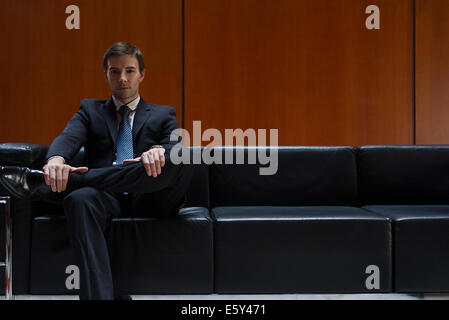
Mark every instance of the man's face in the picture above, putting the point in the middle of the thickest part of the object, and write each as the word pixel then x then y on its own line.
pixel 123 76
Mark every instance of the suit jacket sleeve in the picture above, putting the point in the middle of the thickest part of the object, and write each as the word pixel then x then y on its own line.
pixel 168 126
pixel 74 136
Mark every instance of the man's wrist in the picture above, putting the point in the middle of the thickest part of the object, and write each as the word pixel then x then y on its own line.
pixel 56 157
pixel 157 146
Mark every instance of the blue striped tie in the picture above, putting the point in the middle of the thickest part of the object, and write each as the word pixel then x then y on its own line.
pixel 125 137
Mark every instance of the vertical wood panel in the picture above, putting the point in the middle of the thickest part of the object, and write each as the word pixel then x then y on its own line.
pixel 432 71
pixel 47 70
pixel 307 67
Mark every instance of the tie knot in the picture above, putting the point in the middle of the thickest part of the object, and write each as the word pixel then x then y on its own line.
pixel 124 111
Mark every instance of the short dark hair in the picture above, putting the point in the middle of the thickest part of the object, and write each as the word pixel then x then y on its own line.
pixel 121 49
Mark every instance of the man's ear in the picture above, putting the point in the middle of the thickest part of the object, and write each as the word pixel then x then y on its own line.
pixel 105 75
pixel 142 75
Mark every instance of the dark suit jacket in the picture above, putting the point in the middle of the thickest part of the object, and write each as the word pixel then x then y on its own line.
pixel 95 127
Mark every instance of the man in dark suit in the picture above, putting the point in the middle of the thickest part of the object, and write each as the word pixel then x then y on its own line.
pixel 128 170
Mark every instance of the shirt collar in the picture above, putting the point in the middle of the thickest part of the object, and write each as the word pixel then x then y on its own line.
pixel 132 105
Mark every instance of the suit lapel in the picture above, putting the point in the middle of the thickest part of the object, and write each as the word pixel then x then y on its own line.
pixel 142 113
pixel 111 119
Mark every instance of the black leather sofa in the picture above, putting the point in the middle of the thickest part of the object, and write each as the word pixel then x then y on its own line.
pixel 366 219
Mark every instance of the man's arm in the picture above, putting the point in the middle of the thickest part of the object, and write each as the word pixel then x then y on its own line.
pixel 63 149
pixel 74 136
pixel 154 158
pixel 169 125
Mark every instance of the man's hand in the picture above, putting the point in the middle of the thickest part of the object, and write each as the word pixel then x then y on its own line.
pixel 153 160
pixel 56 173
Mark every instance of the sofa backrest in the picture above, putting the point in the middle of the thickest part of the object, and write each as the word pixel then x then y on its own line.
pixel 198 192
pixel 409 174
pixel 305 176
pixel 393 174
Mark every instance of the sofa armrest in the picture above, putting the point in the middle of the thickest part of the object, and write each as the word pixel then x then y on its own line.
pixel 22 212
pixel 23 155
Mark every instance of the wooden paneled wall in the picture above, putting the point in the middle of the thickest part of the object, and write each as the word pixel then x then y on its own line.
pixel 47 69
pixel 309 68
pixel 432 71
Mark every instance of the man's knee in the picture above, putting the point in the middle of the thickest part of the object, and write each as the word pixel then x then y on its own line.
pixel 80 196
pixel 88 203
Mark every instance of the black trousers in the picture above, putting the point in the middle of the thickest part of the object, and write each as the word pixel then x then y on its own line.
pixel 98 196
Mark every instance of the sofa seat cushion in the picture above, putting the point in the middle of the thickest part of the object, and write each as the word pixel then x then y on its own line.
pixel 421 246
pixel 300 249
pixel 149 256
